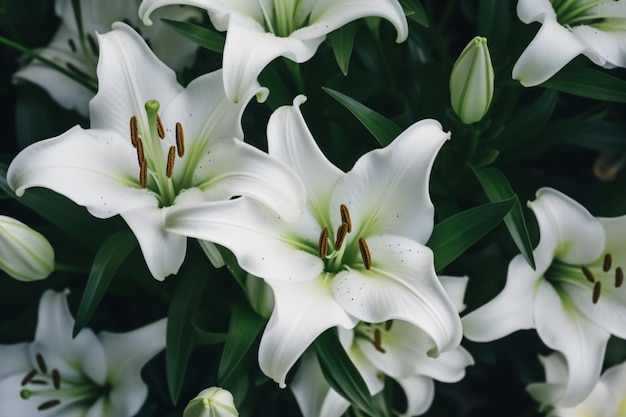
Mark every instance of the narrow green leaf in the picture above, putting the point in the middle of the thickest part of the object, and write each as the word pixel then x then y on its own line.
pixel 497 188
pixel 589 83
pixel 383 129
pixel 415 11
pixel 199 34
pixel 181 334
pixel 591 134
pixel 340 372
pixel 78 16
pixel 245 325
pixel 105 264
pixel 456 234
pixel 206 337
pixel 342 41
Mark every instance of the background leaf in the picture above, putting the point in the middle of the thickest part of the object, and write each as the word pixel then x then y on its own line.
pixel 587 82
pixel 342 41
pixel 198 34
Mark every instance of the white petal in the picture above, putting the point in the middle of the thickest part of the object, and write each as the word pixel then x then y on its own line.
pixel 401 284
pixel 212 252
pixel 249 49
pixel 608 47
pixel 302 311
pixel 16 360
pixel 371 374
pixel 94 168
pixel 562 328
pixel 163 251
pixel 290 141
pixel 234 168
pixel 232 8
pixel 509 311
pixel 387 190
pixel 419 391
pixel 551 49
pixel 126 354
pixel 129 74
pixel 535 10
pixel 455 288
pixel 314 396
pixel 264 245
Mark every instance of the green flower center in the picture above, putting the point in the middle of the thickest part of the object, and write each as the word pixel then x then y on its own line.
pixel 285 18
pixel 53 389
pixel 576 12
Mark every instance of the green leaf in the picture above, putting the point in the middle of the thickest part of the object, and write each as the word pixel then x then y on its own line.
pixel 181 334
pixel 589 83
pixel 340 372
pixel 454 235
pixel 245 325
pixel 415 11
pixel 591 134
pixel 497 188
pixel 105 264
pixel 206 337
pixel 342 41
pixel 199 34
pixel 383 129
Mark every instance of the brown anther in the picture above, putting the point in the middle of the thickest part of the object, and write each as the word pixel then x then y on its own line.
pixel 141 157
pixel 39 382
pixel 76 70
pixel 93 44
pixel 72 45
pixel 596 292
pixel 29 377
pixel 606 265
pixel 365 253
pixel 588 274
pixel 180 140
pixel 388 325
pixel 134 135
pixel 171 155
pixel 143 174
pixel 41 363
pixel 323 243
pixel 48 404
pixel 160 130
pixel 56 379
pixel 619 276
pixel 378 341
pixel 345 216
pixel 342 231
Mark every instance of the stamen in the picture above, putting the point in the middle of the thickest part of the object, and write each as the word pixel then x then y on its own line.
pixel 143 174
pixel 606 265
pixel 619 276
pixel 76 70
pixel 72 45
pixel 141 157
pixel 180 140
pixel 323 243
pixel 170 161
pixel 39 382
pixel 29 376
pixel 378 341
pixel 133 131
pixel 160 129
pixel 48 404
pixel 588 274
pixel 93 44
pixel 345 216
pixel 342 231
pixel 41 363
pixel 56 379
pixel 596 292
pixel 365 253
pixel 388 324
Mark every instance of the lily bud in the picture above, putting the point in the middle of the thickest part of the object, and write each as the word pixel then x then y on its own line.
pixel 212 402
pixel 24 253
pixel 471 82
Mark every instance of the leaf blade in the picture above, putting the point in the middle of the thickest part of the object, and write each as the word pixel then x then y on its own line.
pixel 198 34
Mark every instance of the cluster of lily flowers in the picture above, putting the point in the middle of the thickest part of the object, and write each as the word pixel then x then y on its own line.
pixel 323 248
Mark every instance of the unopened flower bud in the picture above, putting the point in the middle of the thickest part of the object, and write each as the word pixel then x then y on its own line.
pixel 212 402
pixel 24 253
pixel 471 82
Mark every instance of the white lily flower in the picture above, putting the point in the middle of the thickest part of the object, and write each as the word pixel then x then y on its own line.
pixel 192 153
pixel 575 298
pixel 396 349
pixel 25 254
pixel 356 254
pixel 260 31
pixel 92 375
pixel 594 28
pixel 80 56
pixel 607 399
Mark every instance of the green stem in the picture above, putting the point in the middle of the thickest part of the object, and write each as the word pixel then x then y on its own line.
pixel 296 74
pixel 63 267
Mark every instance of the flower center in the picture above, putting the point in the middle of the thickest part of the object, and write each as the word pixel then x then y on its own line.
pixel 54 390
pixel 335 254
pixel 156 168
pixel 594 276
pixel 283 21
pixel 576 12
pixel 374 333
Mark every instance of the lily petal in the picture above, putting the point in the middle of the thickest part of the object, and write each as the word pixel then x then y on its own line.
pixel 231 8
pixel 608 47
pixel 541 60
pixel 535 10
pixel 94 168
pixel 401 284
pixel 375 190
pixel 19 363
pixel 419 392
pixel 302 311
pixel 455 288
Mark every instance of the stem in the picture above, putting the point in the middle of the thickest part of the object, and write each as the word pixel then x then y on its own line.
pixel 296 74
